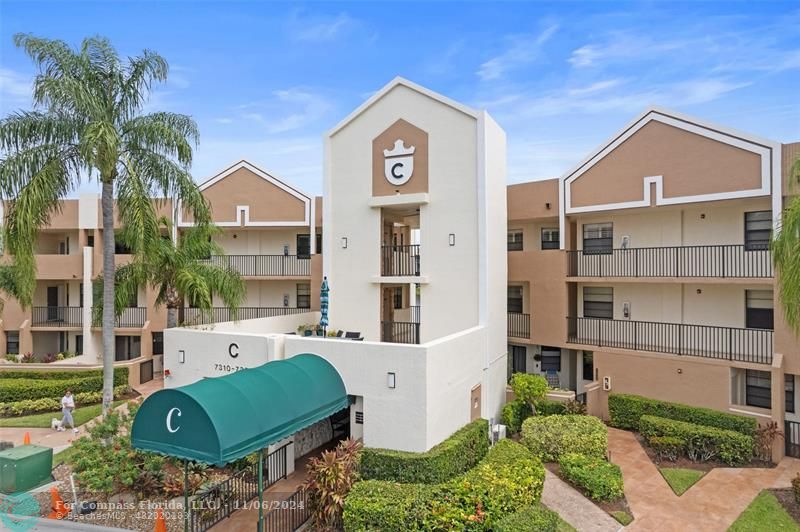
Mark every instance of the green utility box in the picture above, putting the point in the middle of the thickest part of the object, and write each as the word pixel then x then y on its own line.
pixel 24 467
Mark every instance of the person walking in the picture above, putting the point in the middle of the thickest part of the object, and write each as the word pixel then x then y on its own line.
pixel 67 406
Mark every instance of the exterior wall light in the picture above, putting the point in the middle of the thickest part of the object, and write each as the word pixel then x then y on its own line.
pixel 391 380
pixel 452 239
pixel 344 242
pixel 181 356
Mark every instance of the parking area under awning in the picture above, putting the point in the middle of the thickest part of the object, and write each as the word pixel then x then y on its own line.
pixel 221 419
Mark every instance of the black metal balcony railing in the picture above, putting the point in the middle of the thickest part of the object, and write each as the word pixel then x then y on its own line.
pixel 195 316
pixel 400 260
pixel 709 341
pixel 132 317
pixel 519 325
pixel 265 265
pixel 57 316
pixel 684 261
pixel 415 313
pixel 400 332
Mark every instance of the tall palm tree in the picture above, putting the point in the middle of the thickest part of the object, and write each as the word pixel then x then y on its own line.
pixel 179 272
pixel 786 254
pixel 87 122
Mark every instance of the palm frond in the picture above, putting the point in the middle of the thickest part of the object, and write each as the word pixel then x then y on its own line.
pixel 786 255
pixel 167 134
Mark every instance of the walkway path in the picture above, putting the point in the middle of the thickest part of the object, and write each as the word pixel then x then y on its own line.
pixel 712 504
pixel 60 440
pixel 574 508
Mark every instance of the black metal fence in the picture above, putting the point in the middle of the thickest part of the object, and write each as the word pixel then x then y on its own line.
pixel 290 514
pixel 791 436
pixel 195 316
pixel 132 317
pixel 265 265
pixel 400 332
pixel 708 341
pixel 57 316
pixel 684 261
pixel 400 260
pixel 415 314
pixel 519 325
pixel 220 500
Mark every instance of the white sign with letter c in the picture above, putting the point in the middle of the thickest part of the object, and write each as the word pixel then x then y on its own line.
pixel 169 420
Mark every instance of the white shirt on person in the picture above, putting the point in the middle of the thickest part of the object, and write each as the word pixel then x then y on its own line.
pixel 67 402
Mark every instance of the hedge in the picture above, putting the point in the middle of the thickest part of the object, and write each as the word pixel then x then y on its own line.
pixel 508 479
pixel 548 437
pixel 702 442
pixel 514 413
pixel 61 375
pixel 601 480
pixel 548 407
pixel 529 519
pixel 19 388
pixel 626 410
pixel 50 404
pixel 458 453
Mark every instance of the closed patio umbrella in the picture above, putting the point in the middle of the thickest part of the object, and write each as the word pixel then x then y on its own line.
pixel 323 305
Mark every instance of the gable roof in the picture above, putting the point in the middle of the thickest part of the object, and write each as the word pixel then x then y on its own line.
pixel 266 176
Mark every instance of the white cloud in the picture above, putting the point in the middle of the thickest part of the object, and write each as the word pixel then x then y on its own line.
pixel 319 29
pixel 16 90
pixel 522 50
pixel 287 110
pixel 595 87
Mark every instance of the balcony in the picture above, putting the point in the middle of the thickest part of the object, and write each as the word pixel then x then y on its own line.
pixel 195 316
pixel 722 261
pixel 265 265
pixel 708 341
pixel 400 261
pixel 132 317
pixel 57 316
pixel 400 332
pixel 519 325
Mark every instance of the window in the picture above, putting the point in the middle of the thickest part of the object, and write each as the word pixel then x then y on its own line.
pixel 759 311
pixel 398 297
pixel 758 389
pixel 515 299
pixel 303 246
pixel 120 247
pixel 550 238
pixel 515 240
pixel 598 302
pixel 588 365
pixel 551 359
pixel 158 343
pixel 90 241
pixel 319 243
pixel 303 295
pixel 518 359
pixel 127 347
pixel 79 344
pixel 133 300
pixel 788 390
pixel 598 238
pixel 12 342
pixel 80 292
pixel 757 230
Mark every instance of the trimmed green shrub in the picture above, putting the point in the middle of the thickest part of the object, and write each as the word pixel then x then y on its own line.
pixel 120 374
pixel 530 519
pixel 49 404
pixel 21 388
pixel 458 453
pixel 601 480
pixel 548 407
pixel 507 479
pixel 548 437
pixel 702 442
pixel 667 447
pixel 626 410
pixel 514 413
pixel 796 488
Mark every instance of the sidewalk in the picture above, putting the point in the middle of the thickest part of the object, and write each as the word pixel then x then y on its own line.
pixel 60 440
pixel 574 508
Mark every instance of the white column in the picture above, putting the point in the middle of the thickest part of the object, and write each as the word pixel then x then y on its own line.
pixel 89 345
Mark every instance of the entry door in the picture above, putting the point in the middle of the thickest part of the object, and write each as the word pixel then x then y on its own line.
pixel 52 303
pixel 475 403
pixel 518 359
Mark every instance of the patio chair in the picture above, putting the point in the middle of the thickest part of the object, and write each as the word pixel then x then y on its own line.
pixel 552 378
pixel 339 334
pixel 352 335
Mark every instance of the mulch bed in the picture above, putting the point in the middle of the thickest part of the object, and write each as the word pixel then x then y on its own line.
pixel 785 496
pixel 686 463
pixel 620 505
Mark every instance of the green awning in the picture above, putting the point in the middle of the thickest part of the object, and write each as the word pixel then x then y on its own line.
pixel 221 419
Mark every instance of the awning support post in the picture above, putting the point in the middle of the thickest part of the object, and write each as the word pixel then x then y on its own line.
pixel 186 496
pixel 261 490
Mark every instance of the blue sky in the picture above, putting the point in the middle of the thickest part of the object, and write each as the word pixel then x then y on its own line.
pixel 265 80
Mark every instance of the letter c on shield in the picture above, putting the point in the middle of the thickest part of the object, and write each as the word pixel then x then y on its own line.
pixel 233 350
pixel 169 419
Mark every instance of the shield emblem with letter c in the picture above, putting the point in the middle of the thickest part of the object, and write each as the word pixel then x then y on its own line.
pixel 398 163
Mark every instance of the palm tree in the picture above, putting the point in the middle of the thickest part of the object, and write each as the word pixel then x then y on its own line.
pixel 179 272
pixel 786 254
pixel 87 123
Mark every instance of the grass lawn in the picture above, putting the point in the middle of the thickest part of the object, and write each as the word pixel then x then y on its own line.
pixel 62 457
pixel 680 479
pixel 42 421
pixel 764 513
pixel 622 517
pixel 563 526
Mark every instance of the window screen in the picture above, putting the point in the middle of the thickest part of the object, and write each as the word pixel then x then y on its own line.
pixel 550 238
pixel 757 230
pixel 515 240
pixel 515 299
pixel 598 302
pixel 759 311
pixel 598 238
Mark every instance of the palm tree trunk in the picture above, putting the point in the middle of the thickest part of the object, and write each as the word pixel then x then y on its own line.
pixel 107 205
pixel 172 317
